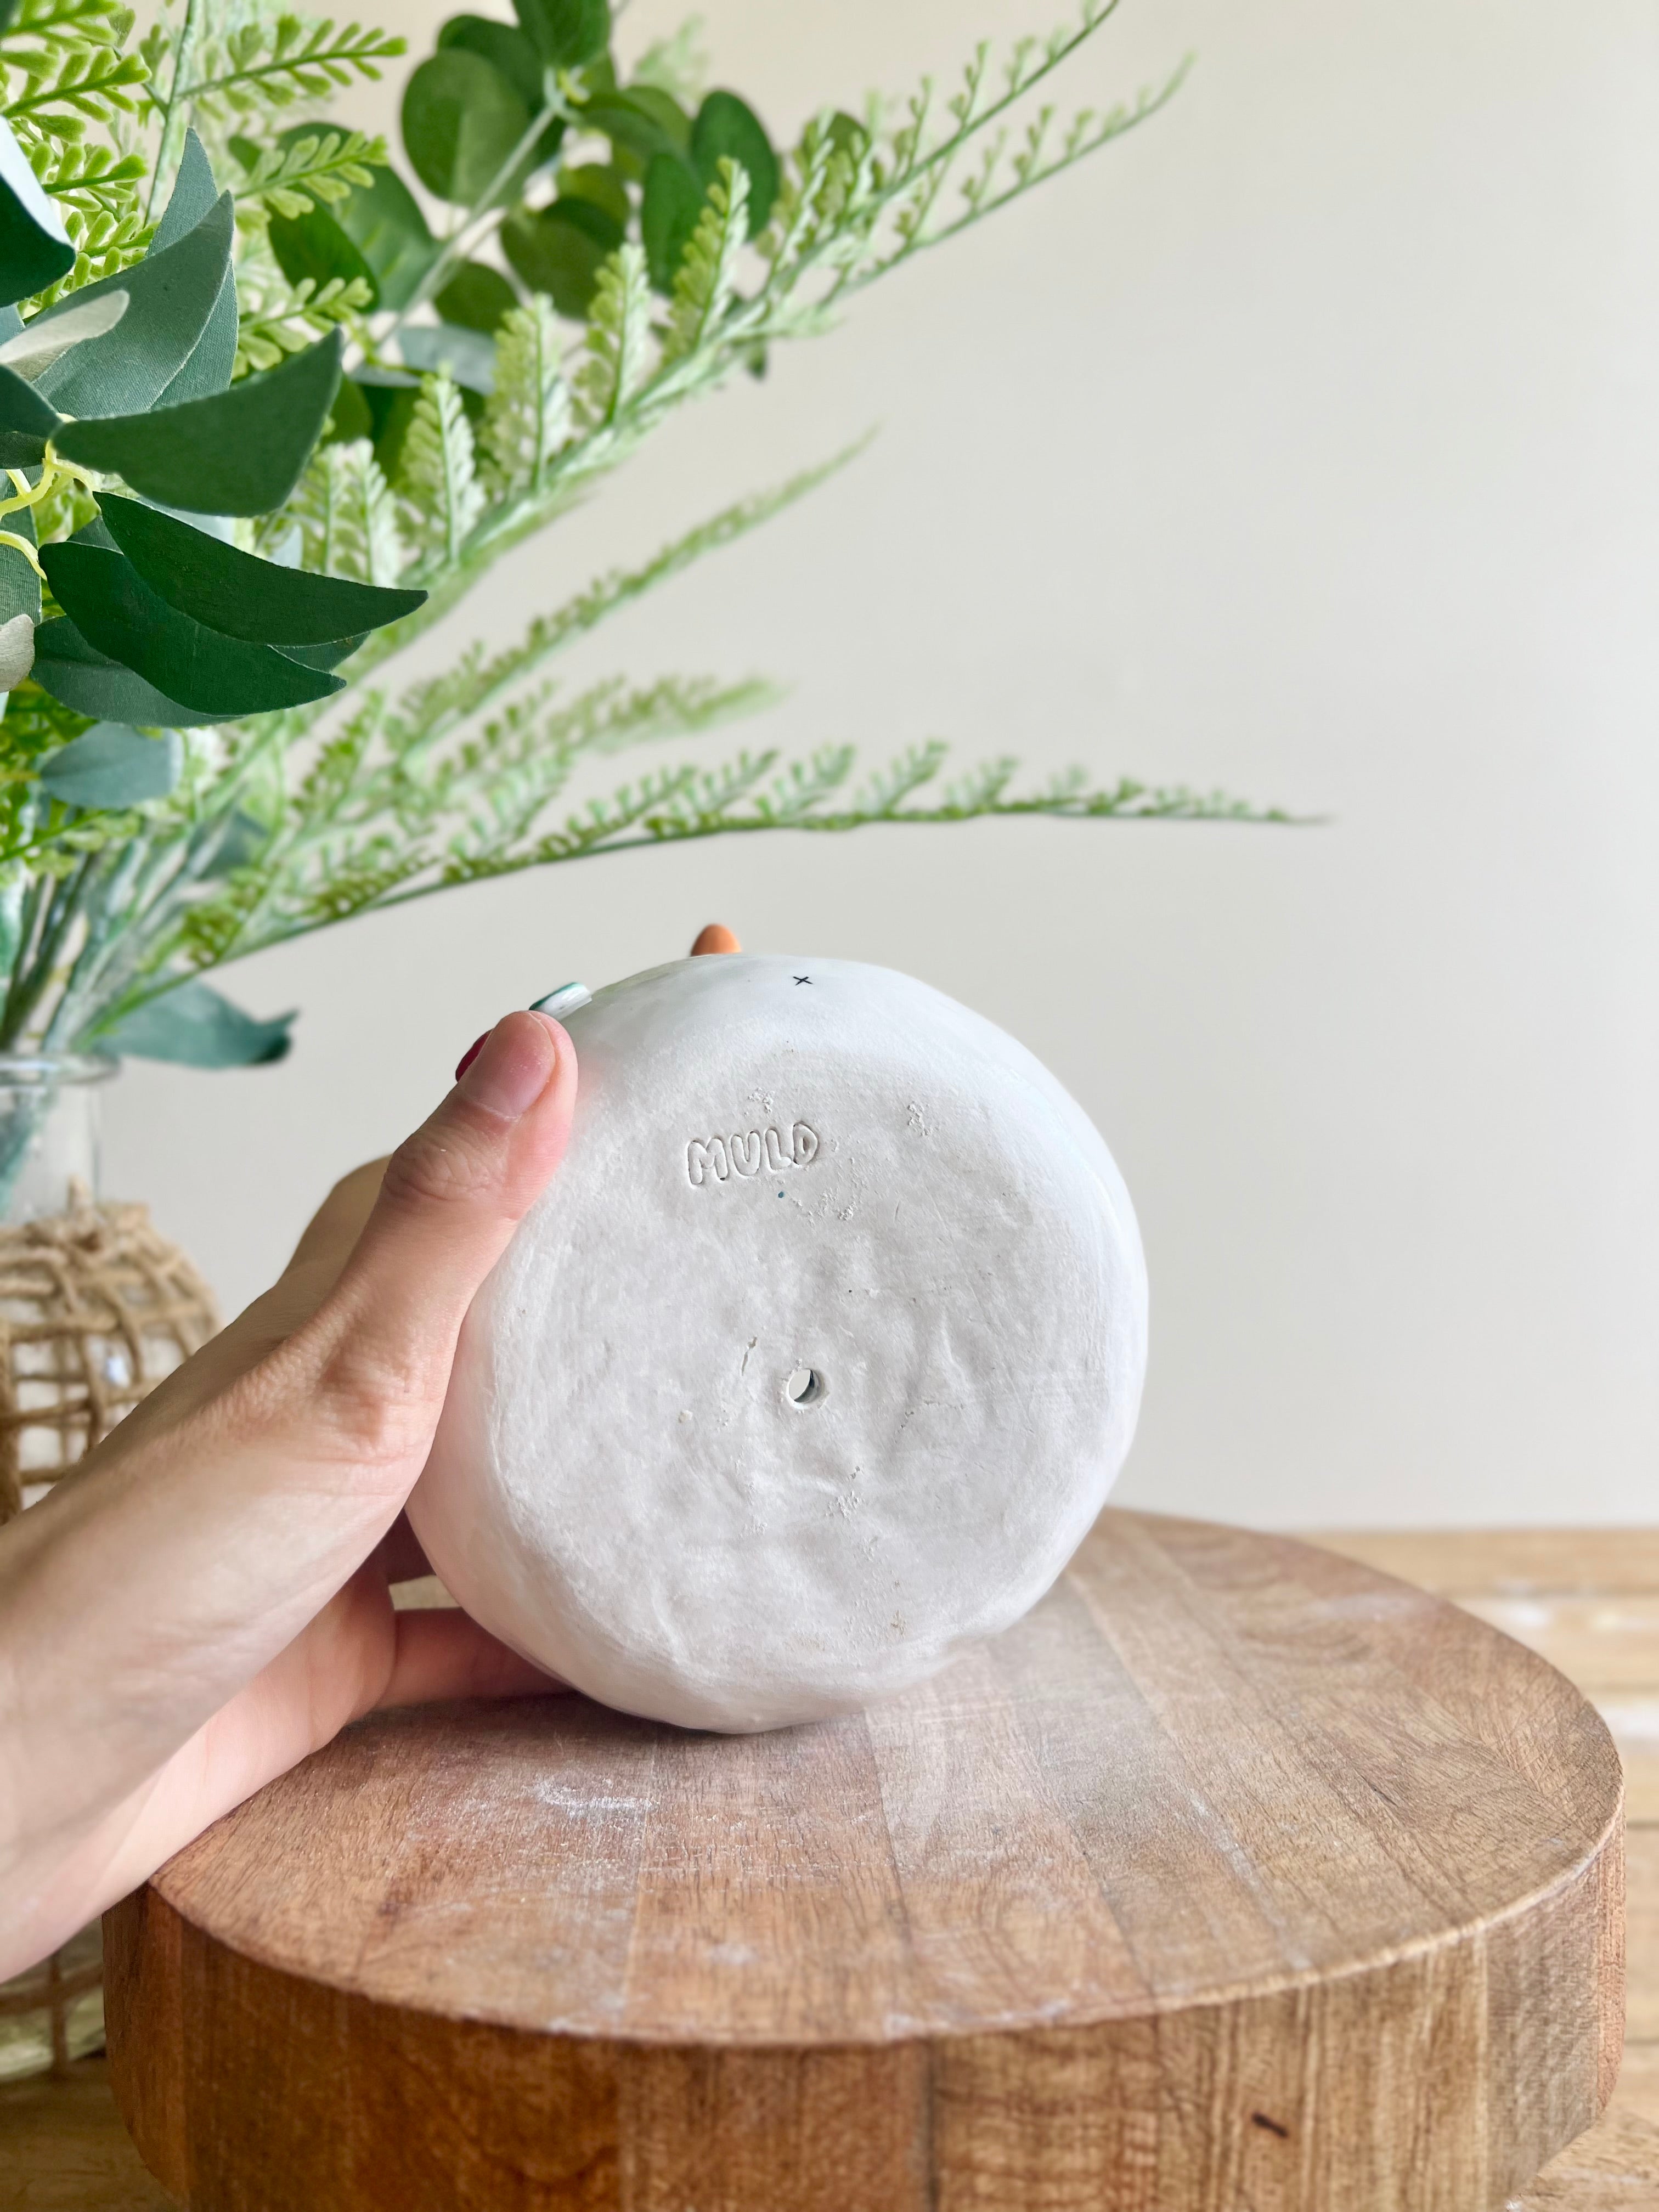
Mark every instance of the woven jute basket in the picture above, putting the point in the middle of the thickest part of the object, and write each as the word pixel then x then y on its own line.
pixel 96 1307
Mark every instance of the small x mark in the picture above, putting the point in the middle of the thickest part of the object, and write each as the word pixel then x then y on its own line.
pixel 803 978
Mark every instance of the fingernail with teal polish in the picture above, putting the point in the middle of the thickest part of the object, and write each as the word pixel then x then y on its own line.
pixel 565 1000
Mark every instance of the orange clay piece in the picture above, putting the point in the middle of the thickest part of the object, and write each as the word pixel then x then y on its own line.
pixel 716 938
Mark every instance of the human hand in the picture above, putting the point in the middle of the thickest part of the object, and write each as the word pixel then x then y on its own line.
pixel 205 1601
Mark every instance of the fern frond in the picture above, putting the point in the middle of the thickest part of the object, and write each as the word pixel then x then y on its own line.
pixel 98 195
pixel 436 475
pixel 288 179
pixel 276 321
pixel 73 87
pixel 267 63
pixel 707 277
pixel 347 515
pixel 619 337
pixel 527 420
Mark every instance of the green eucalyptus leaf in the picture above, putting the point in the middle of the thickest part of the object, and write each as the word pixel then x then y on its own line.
pixel 503 48
pixel 214 354
pixel 171 299
pixel 461 120
pixel 384 220
pixel 193 194
pixel 643 118
pixel 34 246
pixel 20 585
pixel 119 615
pixel 476 297
pixel 113 765
pixel 194 1027
pixel 350 416
pixel 324 656
pixel 594 180
pixel 239 595
pixel 466 357
pixel 727 127
pixel 26 421
pixel 561 249
pixel 27 352
pixel 669 213
pixel 71 670
pixel 315 245
pixel 566 33
pixel 16 651
pixel 239 451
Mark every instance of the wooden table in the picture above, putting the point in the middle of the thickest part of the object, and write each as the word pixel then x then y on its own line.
pixel 1589 1603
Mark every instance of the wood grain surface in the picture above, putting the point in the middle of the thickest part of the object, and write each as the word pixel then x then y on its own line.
pixel 1237 1875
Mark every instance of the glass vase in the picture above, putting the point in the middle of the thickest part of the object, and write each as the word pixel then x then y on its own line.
pixel 50 1116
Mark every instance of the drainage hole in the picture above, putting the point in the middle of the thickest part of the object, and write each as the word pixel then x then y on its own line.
pixel 804 1387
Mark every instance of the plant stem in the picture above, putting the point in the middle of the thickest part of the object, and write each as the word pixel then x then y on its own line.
pixel 175 111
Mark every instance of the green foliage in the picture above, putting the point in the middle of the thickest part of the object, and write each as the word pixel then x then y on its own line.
pixel 186 778
pixel 239 450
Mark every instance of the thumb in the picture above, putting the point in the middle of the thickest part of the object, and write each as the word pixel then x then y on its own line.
pixel 450 1197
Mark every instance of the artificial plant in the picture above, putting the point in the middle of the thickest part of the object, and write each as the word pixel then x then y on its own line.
pixel 222 538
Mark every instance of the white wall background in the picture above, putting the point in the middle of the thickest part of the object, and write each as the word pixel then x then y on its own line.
pixel 1304 444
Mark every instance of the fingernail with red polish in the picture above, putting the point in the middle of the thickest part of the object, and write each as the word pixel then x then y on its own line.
pixel 470 1056
pixel 509 1068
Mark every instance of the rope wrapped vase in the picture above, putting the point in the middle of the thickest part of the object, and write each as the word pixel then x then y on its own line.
pixel 95 1309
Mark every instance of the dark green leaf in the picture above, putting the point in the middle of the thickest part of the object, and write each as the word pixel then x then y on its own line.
pixel 238 594
pixel 111 764
pixel 34 247
pixel 728 127
pixel 350 416
pixel 26 422
pixel 668 214
pixel 643 119
pixel 323 656
pixel 560 250
pixel 194 1027
pixel 467 357
pixel 241 451
pixel 384 220
pixel 20 586
pixel 605 186
pixel 566 33
pixel 92 684
pixel 503 48
pixel 194 192
pixel 461 120
pixel 476 297
pixel 315 245
pixel 117 614
pixel 214 354
pixel 171 297
pixel 390 398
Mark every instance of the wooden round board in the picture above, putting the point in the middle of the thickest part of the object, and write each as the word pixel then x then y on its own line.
pixel 1237 1876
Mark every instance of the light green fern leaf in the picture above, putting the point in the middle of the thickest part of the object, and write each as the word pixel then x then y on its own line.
pixel 63 64
pixel 619 337
pixel 264 62
pixel 347 515
pixel 707 280
pixel 288 180
pixel 276 321
pixel 436 475
pixel 528 418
